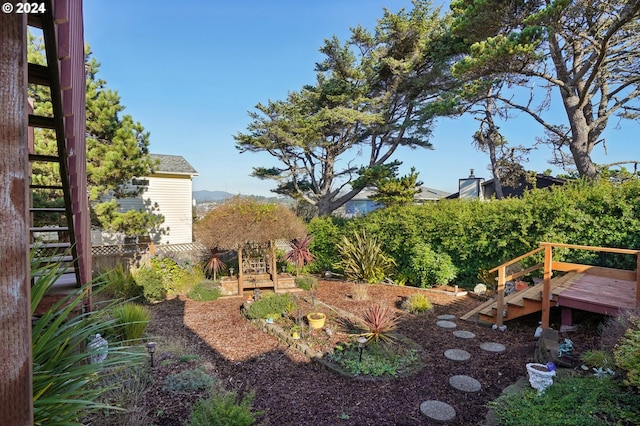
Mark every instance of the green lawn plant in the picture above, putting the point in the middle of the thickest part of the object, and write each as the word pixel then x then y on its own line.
pixel 188 381
pixel 224 409
pixel 271 306
pixel 417 303
pixel 131 320
pixel 627 353
pixel 377 360
pixel 306 282
pixel 362 258
pixel 571 401
pixel 66 387
pixel 205 291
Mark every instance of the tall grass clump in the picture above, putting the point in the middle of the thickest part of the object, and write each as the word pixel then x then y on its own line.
pixel 131 320
pixel 205 291
pixel 119 283
pixel 66 386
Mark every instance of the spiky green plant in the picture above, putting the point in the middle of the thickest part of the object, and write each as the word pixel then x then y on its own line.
pixel 416 303
pixel 363 259
pixel 380 324
pixel 120 283
pixel 66 386
pixel 131 320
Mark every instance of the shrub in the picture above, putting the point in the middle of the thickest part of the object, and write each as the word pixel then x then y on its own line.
pixel 627 354
pixel 224 410
pixel 151 282
pixel 205 291
pixel 416 303
pixel 119 283
pixel 178 275
pixel 380 324
pixel 363 259
pixel 327 232
pixel 188 381
pixel 271 305
pixel 131 320
pixel 306 282
pixel 597 359
pixel 571 401
pixel 65 386
pixel 431 268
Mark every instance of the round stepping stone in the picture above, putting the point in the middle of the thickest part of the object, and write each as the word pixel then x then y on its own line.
pixel 447 317
pixel 446 324
pixel 457 354
pixel 438 411
pixel 493 347
pixel 464 334
pixel 465 383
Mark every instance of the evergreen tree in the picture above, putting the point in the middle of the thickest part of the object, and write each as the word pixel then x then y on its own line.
pixel 117 151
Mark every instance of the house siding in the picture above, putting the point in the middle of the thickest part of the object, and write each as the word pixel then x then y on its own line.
pixel 171 198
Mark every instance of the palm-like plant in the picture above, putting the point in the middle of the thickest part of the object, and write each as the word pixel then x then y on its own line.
pixel 380 323
pixel 299 254
pixel 215 264
pixel 363 259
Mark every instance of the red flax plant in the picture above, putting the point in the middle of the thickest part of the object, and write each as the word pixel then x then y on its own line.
pixel 215 265
pixel 380 324
pixel 299 254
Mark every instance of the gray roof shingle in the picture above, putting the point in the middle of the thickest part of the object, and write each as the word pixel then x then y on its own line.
pixel 173 164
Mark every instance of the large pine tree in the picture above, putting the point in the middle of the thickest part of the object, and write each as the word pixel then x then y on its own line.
pixel 117 151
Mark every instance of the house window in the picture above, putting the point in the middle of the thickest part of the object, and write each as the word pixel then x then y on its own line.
pixel 140 182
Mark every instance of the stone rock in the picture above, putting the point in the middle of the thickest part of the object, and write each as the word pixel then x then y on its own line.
pixel 457 354
pixel 465 383
pixel 464 334
pixel 480 289
pixel 493 347
pixel 447 317
pixel 438 411
pixel 446 324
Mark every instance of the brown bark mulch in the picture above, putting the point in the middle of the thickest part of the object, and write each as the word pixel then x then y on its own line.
pixel 291 389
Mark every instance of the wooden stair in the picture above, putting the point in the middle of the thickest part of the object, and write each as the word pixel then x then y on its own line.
pixel 52 236
pixel 522 302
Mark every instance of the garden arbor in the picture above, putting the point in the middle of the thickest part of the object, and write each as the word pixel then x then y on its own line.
pixel 250 228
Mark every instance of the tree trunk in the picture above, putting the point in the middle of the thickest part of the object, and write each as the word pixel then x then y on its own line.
pixel 16 406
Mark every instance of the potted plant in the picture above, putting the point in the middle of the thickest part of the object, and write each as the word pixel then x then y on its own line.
pixel 541 375
pixel 316 319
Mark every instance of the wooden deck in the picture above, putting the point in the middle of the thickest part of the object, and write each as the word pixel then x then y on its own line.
pixel 588 288
pixel 599 294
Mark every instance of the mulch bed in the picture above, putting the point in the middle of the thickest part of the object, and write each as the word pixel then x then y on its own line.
pixel 291 389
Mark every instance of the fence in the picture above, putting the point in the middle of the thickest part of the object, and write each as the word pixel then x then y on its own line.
pixel 138 255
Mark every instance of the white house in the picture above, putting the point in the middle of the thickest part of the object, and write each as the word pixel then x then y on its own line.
pixel 168 192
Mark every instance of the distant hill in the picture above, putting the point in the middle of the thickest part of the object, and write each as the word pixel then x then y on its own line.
pixel 204 195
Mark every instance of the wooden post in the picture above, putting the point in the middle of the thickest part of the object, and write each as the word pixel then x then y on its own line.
pixel 546 286
pixel 16 401
pixel 240 274
pixel 274 264
pixel 502 272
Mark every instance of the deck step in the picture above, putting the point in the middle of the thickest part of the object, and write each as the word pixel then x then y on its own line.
pixel 49 229
pixel 50 245
pixel 47 209
pixel 39 74
pixel 44 158
pixel 58 187
pixel 41 122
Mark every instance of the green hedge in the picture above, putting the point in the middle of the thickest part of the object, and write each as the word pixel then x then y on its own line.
pixel 481 234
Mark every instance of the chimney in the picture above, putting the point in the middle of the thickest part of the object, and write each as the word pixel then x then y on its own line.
pixel 471 176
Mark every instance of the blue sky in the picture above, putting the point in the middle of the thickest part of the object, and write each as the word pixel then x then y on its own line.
pixel 189 71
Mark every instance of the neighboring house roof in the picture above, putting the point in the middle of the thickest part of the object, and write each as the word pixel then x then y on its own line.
pixel 424 195
pixel 542 181
pixel 173 164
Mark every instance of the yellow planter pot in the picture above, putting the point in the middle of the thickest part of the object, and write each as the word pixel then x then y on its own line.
pixel 316 320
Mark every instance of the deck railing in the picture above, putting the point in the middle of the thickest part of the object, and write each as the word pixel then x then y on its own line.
pixel 549 266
